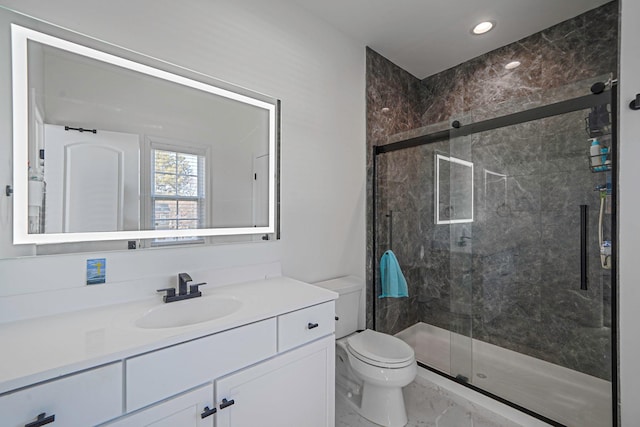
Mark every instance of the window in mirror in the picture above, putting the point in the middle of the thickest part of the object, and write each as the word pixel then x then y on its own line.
pixel 177 192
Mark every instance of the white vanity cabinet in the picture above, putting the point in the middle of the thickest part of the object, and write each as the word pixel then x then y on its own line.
pixel 83 399
pixel 290 390
pixel 270 364
pixel 277 372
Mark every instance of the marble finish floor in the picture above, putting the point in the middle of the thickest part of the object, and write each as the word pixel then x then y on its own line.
pixel 429 405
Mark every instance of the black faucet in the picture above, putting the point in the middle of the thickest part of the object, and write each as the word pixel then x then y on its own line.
pixel 183 280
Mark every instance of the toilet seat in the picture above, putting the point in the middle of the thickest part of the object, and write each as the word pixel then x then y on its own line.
pixel 382 350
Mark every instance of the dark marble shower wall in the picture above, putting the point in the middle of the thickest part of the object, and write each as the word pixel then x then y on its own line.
pixel 394 105
pixel 516 282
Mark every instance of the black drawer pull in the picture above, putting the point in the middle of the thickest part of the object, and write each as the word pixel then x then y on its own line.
pixel 42 420
pixel 226 403
pixel 312 325
pixel 207 412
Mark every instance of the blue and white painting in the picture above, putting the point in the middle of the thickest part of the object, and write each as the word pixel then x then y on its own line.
pixel 96 271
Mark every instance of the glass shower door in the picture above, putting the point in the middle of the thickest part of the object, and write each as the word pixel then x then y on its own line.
pixel 530 272
pixel 455 208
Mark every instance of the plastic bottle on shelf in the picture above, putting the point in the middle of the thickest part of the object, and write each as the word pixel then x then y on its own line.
pixel 594 153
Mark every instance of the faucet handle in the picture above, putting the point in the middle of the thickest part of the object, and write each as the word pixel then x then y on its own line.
pixel 171 292
pixel 193 289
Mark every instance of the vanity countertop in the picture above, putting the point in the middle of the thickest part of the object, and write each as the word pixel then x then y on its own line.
pixel 48 347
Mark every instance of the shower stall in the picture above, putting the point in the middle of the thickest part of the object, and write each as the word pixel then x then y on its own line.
pixel 503 223
pixel 495 189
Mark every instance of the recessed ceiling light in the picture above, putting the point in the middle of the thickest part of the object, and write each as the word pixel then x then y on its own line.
pixel 483 27
pixel 511 65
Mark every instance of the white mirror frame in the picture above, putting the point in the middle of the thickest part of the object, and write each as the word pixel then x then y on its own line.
pixel 438 158
pixel 19 38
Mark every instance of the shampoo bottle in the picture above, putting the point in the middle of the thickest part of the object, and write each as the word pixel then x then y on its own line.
pixel 594 153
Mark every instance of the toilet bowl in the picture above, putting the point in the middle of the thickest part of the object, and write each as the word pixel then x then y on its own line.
pixel 382 364
pixel 371 367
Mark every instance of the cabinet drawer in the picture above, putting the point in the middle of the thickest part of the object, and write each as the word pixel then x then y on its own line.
pixel 185 410
pixel 160 374
pixel 301 326
pixel 84 399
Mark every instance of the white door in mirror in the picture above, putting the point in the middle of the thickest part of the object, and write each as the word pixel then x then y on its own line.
pixel 92 180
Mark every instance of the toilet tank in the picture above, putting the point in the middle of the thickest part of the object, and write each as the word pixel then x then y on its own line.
pixel 349 289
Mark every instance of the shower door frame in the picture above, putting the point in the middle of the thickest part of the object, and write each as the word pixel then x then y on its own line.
pixel 609 96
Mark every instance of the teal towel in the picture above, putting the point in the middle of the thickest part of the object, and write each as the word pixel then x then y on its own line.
pixel 392 280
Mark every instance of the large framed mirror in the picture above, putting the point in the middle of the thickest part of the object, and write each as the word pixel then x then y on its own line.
pixel 453 190
pixel 111 145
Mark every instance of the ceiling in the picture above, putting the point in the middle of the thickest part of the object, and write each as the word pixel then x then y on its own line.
pixel 428 36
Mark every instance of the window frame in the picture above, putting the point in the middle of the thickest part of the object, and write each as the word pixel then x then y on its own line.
pixel 147 201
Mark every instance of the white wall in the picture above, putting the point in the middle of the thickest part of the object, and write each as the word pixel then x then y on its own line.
pixel 629 279
pixel 269 47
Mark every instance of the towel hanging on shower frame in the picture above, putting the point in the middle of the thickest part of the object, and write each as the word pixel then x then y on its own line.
pixel 392 281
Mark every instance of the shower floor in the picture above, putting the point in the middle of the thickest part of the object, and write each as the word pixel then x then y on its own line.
pixel 564 395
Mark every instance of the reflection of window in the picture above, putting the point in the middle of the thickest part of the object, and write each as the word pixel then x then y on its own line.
pixel 177 190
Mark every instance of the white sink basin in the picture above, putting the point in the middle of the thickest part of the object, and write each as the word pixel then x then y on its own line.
pixel 188 312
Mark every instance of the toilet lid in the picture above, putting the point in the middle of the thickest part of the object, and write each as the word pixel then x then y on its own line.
pixel 380 347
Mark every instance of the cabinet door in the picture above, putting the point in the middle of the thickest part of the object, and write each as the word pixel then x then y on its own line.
pixel 291 390
pixel 184 411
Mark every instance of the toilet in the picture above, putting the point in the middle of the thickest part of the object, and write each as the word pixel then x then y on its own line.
pixel 371 367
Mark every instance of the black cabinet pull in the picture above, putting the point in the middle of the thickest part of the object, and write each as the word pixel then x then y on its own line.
pixel 312 325
pixel 208 412
pixel 226 403
pixel 42 420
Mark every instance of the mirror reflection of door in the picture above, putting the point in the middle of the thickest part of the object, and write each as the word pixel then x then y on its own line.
pixel 95 185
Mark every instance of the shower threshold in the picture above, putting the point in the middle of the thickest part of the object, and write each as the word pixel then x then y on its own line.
pixel 569 397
